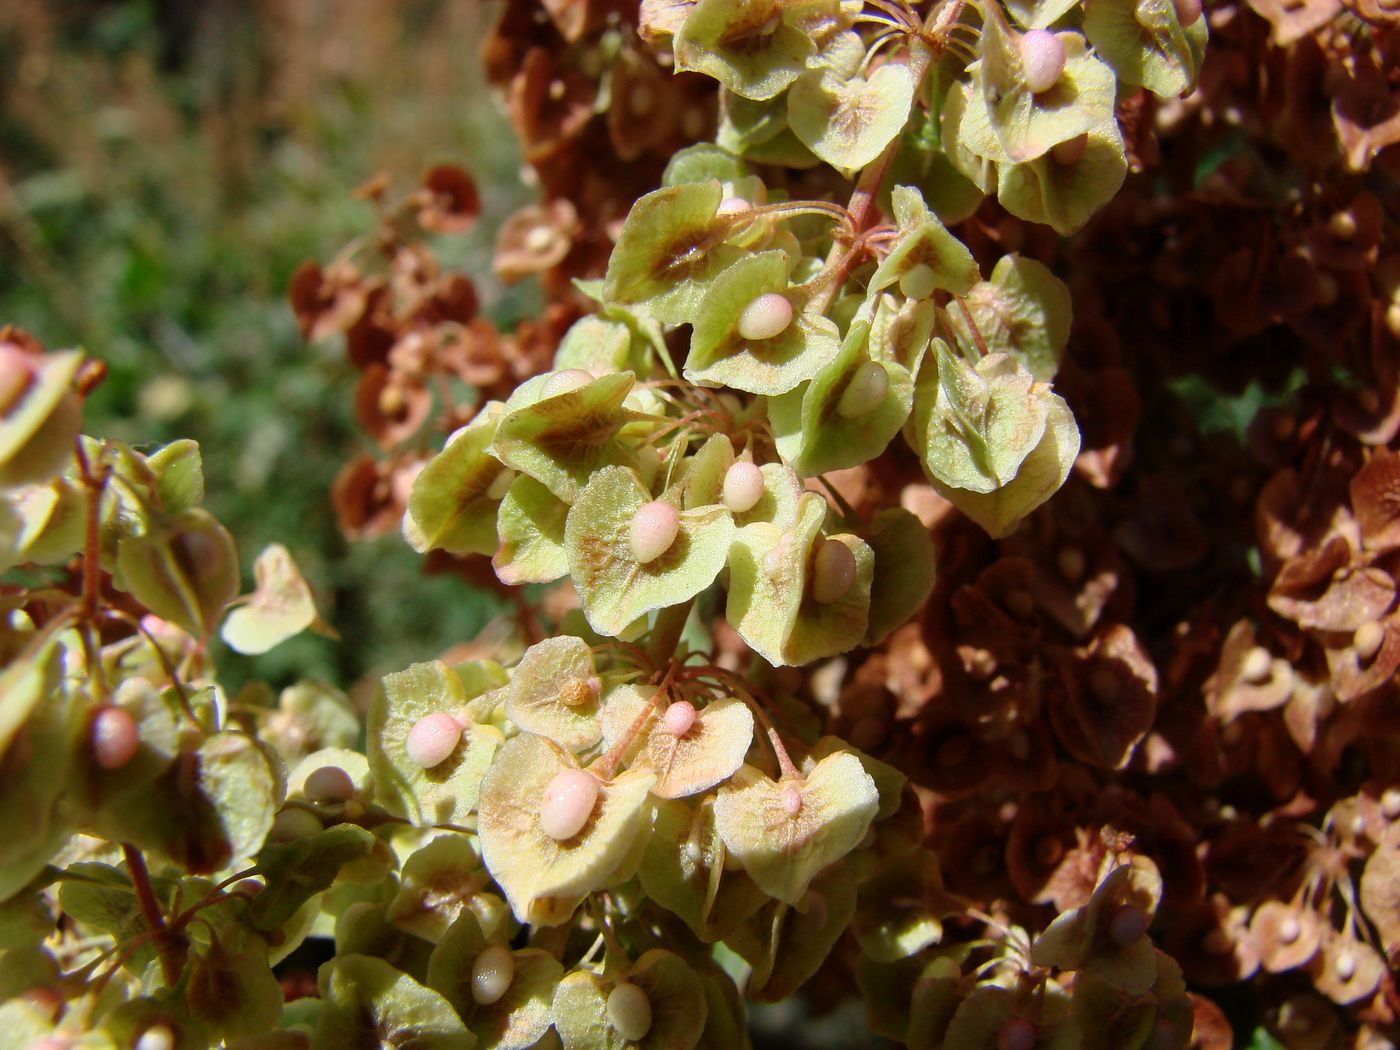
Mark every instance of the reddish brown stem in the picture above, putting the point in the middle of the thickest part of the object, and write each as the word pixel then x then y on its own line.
pixel 150 911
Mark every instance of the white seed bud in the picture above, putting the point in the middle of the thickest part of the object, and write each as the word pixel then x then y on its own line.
pixel 157 1037
pixel 679 717
pixel 492 973
pixel 568 803
pixel 1069 152
pixel 865 391
pixel 114 738
pixel 294 823
pixel 1257 665
pixel 1390 803
pixel 1345 966
pixel 501 484
pixel 432 739
pixel 765 317
pixel 1290 929
pixel 654 528
pixel 629 1011
pixel 1042 59
pixel 1016 1033
pixel 743 486
pixel 1127 924
pixel 328 784
pixel 918 282
pixel 733 206
pixel 792 799
pixel 1368 639
pixel 564 382
pixel 833 572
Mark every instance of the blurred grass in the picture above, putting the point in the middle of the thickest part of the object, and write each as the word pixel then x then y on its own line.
pixel 164 167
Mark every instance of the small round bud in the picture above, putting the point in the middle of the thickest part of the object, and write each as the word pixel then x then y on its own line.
pixel 743 486
pixel 1368 639
pixel 1345 966
pixel 654 528
pixel 432 739
pixel 16 373
pixel 733 206
pixel 833 572
pixel 1390 803
pixel 1342 225
pixel 1016 1033
pixel 1127 924
pixel 918 282
pixel 492 973
pixel 1257 665
pixel 579 691
pixel 1069 152
pixel 679 717
pixel 501 484
pixel 564 382
pixel 114 738
pixel 1187 11
pixel 765 317
pixel 629 1011
pixel 157 1037
pixel 863 394
pixel 568 803
pixel 328 784
pixel 1042 59
pixel 294 823
pixel 1290 929
pixel 792 799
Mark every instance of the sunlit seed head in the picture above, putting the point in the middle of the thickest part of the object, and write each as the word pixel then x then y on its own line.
pixel 568 803
pixel 294 823
pixel 1127 924
pixel 833 572
pixel 564 382
pixel 492 973
pixel 157 1037
pixel 114 737
pixel 765 317
pixel 792 799
pixel 918 282
pixel 629 1011
pixel 1042 59
pixel 654 528
pixel 679 718
pixel 328 784
pixel 501 484
pixel 1071 151
pixel 1016 1033
pixel 1367 639
pixel 864 393
pixel 733 206
pixel 1257 665
pixel 432 739
pixel 743 486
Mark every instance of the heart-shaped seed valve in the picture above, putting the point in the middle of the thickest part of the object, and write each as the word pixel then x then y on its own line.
pixel 432 738
pixel 114 738
pixel 765 317
pixel 1042 59
pixel 654 528
pixel 679 717
pixel 743 486
pixel 492 973
pixel 629 1011
pixel 568 803
pixel 328 784
pixel 1016 1033
pixel 863 394
pixel 833 572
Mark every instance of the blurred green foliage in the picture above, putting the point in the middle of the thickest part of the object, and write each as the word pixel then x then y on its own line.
pixel 164 167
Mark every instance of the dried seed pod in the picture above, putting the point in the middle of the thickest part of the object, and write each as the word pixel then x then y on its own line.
pixel 568 803
pixel 765 317
pixel 653 529
pixel 432 738
pixel 114 737
pixel 1042 59
pixel 629 1011
pixel 492 973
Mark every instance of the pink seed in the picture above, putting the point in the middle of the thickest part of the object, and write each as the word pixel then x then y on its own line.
pixel 432 739
pixel 1042 59
pixel 765 317
pixel 833 572
pixel 743 486
pixel 654 528
pixel 328 784
pixel 568 803
pixel 115 740
pixel 679 717
pixel 792 799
